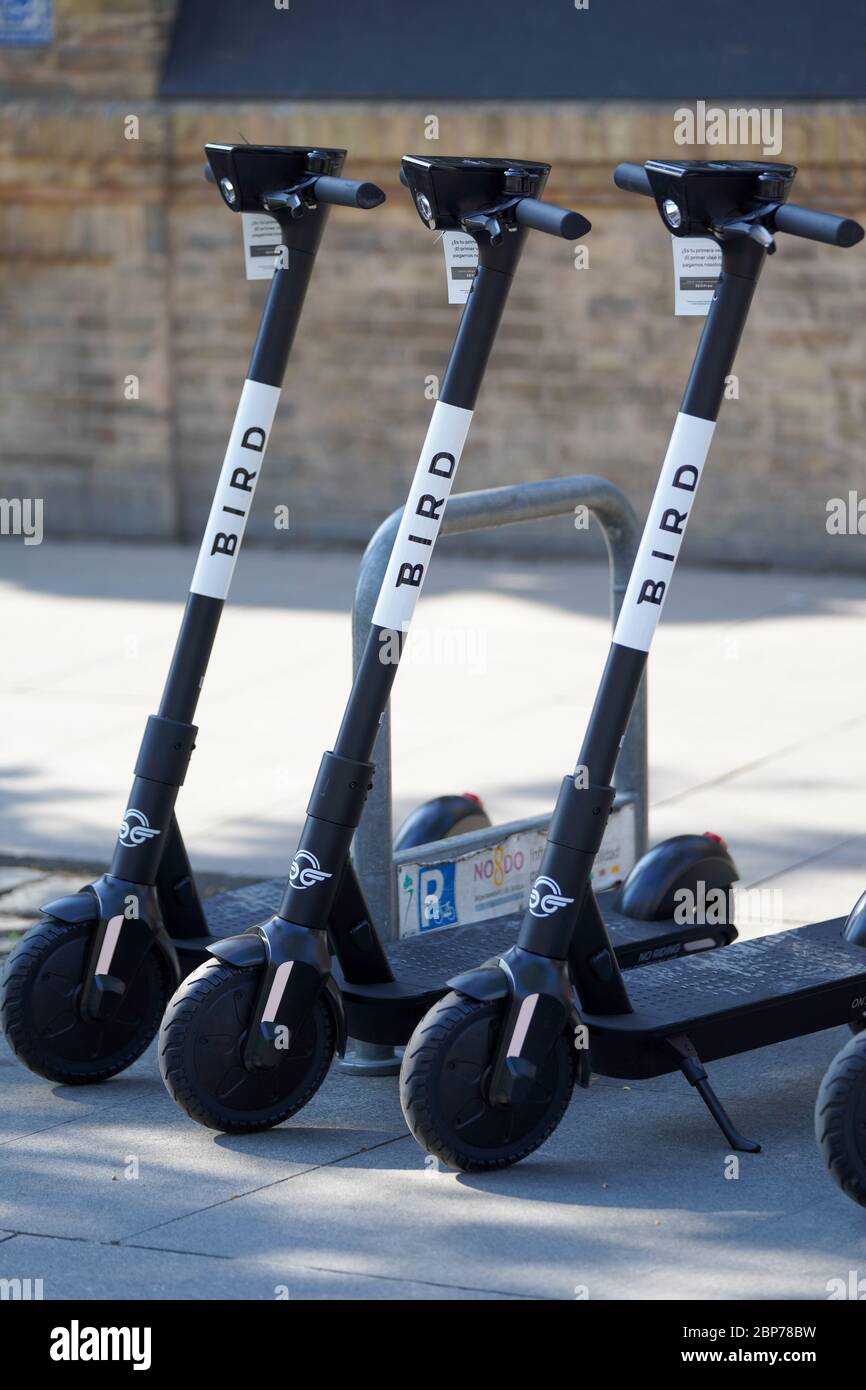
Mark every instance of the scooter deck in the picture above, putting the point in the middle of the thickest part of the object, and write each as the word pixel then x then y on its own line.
pixel 754 993
pixel 422 964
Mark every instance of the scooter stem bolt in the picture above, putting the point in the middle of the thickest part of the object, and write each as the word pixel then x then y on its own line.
pixel 228 191
pixel 672 213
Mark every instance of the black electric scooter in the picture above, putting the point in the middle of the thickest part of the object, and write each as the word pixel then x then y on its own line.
pixel 840 1110
pixel 488 1073
pixel 85 989
pixel 249 1037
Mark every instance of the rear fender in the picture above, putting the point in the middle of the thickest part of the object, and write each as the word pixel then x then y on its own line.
pixel 698 864
pixel 440 818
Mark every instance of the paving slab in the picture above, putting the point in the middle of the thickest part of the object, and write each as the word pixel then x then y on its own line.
pixel 83 1270
pixel 756 731
pixel 512 648
pixel 632 1197
pixel 121 1157
pixel 635 1196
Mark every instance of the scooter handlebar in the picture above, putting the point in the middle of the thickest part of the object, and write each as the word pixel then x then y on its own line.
pixel 817 226
pixel 347 193
pixel 547 217
pixel 633 178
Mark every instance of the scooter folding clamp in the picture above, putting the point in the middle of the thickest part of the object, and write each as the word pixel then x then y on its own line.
pixel 340 790
pixel 166 750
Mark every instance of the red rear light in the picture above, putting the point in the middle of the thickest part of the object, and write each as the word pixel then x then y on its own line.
pixel 711 835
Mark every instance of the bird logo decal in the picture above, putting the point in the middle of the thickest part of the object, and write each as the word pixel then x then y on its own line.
pixel 135 829
pixel 306 870
pixel 546 897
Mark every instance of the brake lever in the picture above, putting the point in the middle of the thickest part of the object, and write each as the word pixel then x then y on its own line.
pixel 484 222
pixel 284 202
pixel 743 227
pixel 293 201
pixel 494 222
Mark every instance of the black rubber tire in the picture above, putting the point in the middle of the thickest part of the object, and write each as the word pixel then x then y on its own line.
pixel 441 818
pixel 444 1069
pixel 840 1119
pixel 39 1010
pixel 214 1003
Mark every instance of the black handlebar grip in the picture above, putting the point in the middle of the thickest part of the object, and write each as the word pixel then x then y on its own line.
pixel 817 226
pixel 547 217
pixel 633 178
pixel 346 193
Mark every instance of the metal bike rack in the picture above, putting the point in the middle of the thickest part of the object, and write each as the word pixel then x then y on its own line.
pixel 475 511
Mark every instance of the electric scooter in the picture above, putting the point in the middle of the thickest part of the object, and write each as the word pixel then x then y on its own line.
pixel 249 1037
pixel 489 1072
pixel 85 989
pixel 840 1110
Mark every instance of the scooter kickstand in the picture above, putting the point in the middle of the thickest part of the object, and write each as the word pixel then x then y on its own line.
pixel 695 1073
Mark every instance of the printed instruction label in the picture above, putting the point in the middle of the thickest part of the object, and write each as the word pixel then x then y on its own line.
pixel 697 267
pixel 262 241
pixel 461 263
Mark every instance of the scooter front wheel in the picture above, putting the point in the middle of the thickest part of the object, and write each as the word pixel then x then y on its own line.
pixel 840 1119
pixel 444 1083
pixel 41 1013
pixel 201 1045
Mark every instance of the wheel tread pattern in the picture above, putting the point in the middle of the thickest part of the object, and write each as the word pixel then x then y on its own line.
pixel 23 961
pixel 843 1084
pixel 180 1016
pixel 417 1083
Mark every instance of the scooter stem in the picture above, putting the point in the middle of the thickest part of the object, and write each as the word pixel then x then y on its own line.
pixel 572 930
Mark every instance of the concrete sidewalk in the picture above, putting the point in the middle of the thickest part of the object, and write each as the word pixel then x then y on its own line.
pixel 112 1192
pixel 756 731
pixel 756 711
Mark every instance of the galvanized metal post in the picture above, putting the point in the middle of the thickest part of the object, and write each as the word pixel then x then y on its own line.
pixel 475 511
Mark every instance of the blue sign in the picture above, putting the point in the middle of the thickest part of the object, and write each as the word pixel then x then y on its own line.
pixel 26 21
pixel 437 902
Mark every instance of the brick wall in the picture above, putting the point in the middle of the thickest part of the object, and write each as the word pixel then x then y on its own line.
pixel 116 259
